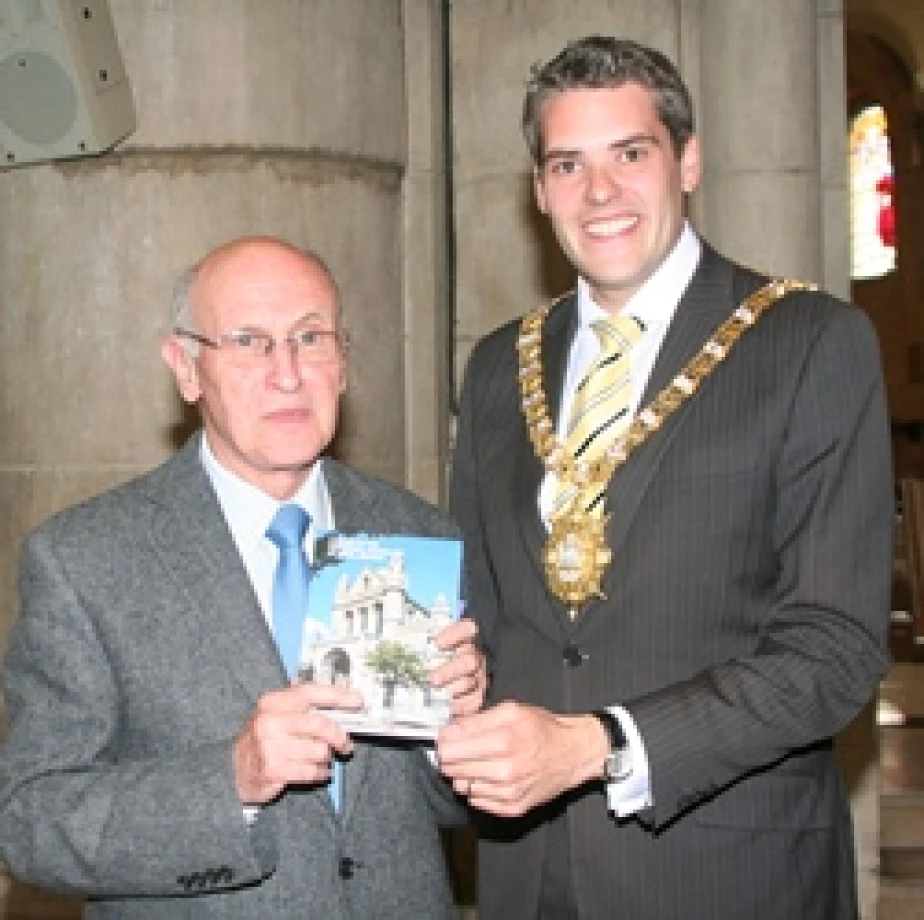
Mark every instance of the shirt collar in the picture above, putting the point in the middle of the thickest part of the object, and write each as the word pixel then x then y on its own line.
pixel 655 302
pixel 249 510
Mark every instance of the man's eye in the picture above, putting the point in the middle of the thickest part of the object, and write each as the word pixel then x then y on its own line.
pixel 633 154
pixel 564 167
pixel 309 338
pixel 248 341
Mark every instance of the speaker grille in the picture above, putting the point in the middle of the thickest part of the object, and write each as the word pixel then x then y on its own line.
pixel 37 97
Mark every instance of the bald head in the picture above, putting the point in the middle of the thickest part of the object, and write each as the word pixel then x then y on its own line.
pixel 239 253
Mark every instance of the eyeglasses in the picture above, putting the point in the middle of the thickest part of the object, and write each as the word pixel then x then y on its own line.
pixel 309 346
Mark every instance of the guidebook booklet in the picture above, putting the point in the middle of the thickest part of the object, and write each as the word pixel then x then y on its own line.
pixel 376 604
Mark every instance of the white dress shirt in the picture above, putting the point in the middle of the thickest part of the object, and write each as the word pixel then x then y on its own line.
pixel 655 304
pixel 249 512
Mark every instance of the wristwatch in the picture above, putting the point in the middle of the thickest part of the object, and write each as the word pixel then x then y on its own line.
pixel 617 764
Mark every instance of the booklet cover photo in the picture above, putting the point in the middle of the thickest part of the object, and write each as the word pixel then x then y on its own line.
pixel 376 604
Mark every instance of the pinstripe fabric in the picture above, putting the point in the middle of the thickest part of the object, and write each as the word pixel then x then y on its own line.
pixel 744 622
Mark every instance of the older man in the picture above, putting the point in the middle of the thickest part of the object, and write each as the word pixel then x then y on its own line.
pixel 158 761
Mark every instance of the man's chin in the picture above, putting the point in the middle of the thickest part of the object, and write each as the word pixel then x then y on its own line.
pixel 293 457
pixel 300 465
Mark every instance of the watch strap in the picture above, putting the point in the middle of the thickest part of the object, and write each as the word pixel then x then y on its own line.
pixel 612 727
pixel 617 763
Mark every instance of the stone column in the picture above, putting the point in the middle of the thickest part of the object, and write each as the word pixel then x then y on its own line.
pixel 773 126
pixel 426 236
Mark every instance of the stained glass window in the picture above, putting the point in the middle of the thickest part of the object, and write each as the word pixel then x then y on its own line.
pixel 872 188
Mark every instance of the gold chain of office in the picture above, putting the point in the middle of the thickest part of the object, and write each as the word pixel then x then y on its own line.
pixel 576 554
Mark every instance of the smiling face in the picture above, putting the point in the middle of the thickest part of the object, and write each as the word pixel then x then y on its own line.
pixel 266 419
pixel 612 185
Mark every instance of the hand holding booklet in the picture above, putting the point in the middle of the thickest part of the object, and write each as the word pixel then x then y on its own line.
pixel 375 606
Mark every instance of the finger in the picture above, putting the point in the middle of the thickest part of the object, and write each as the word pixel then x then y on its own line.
pixel 285 738
pixel 466 693
pixel 466 685
pixel 326 696
pixel 262 767
pixel 502 719
pixel 493 777
pixel 464 630
pixel 279 728
pixel 466 661
pixel 495 798
pixel 303 696
pixel 466 704
pixel 323 727
pixel 514 807
pixel 484 757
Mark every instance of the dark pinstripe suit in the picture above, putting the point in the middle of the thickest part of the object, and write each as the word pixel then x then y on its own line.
pixel 744 625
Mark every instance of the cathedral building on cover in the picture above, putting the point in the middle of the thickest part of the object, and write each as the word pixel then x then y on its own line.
pixel 380 641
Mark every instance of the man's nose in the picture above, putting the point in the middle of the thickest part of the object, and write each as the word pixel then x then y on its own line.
pixel 285 367
pixel 602 183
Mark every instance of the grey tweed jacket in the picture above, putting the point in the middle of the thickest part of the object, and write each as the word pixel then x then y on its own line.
pixel 139 653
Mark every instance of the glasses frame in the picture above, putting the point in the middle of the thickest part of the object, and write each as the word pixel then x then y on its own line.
pixel 223 342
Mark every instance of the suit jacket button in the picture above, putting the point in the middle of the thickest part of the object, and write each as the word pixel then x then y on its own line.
pixel 347 866
pixel 574 656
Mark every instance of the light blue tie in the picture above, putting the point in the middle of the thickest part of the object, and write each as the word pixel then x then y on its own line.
pixel 290 597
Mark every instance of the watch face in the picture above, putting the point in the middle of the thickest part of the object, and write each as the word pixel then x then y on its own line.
pixel 617 766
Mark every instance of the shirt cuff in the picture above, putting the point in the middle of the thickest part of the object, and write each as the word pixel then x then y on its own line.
pixel 630 795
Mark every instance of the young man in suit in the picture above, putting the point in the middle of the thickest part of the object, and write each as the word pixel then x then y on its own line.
pixel 678 623
pixel 158 761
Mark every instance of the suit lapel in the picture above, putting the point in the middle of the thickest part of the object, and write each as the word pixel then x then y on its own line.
pixel 706 303
pixel 357 505
pixel 188 532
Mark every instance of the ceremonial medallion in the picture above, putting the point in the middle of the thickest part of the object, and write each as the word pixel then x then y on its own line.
pixel 575 557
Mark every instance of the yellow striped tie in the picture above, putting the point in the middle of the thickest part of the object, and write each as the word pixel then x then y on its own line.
pixel 600 411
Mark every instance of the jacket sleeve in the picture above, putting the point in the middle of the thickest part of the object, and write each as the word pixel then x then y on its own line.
pixel 75 815
pixel 823 645
pixel 480 590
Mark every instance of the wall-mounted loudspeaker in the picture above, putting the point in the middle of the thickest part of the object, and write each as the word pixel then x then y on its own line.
pixel 63 87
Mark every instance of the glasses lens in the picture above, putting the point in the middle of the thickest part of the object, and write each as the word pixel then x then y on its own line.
pixel 247 345
pixel 315 344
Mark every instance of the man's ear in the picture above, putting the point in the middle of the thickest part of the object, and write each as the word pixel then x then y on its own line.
pixel 185 371
pixel 539 189
pixel 691 166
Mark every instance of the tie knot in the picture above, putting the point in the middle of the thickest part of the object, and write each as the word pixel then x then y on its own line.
pixel 618 333
pixel 289 526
